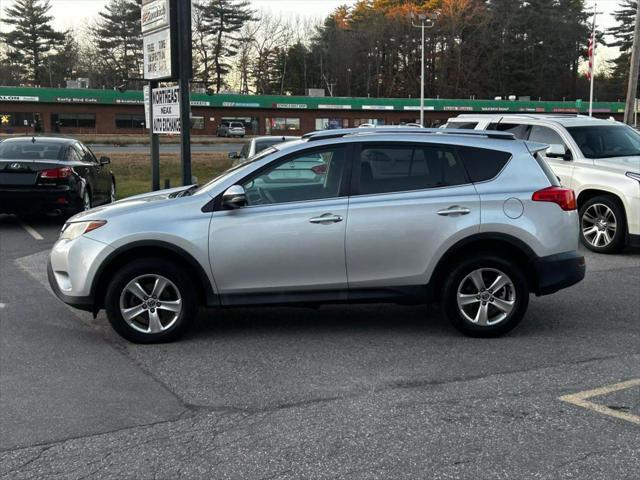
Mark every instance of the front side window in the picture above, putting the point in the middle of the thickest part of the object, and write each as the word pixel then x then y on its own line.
pixel 305 176
pixel 606 141
pixel 387 169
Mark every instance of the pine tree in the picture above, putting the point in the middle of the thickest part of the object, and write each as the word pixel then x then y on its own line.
pixel 31 39
pixel 623 39
pixel 222 22
pixel 118 38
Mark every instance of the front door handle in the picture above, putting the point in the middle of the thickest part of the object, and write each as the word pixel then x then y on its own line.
pixel 326 219
pixel 454 210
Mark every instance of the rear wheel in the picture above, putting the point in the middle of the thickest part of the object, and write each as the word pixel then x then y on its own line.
pixel 485 296
pixel 151 301
pixel 602 225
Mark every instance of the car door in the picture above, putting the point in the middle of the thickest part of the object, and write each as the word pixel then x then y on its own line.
pixel 103 173
pixel 409 203
pixel 562 167
pixel 287 243
pixel 87 171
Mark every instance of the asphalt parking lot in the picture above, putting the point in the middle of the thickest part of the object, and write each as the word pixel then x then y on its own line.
pixel 377 391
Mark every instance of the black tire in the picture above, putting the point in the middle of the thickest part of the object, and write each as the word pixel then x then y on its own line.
pixel 599 203
pixel 491 263
pixel 151 266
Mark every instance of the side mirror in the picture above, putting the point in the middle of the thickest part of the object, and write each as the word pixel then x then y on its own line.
pixel 557 150
pixel 233 155
pixel 234 197
pixel 105 160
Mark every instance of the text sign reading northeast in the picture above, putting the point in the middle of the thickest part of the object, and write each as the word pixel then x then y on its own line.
pixel 166 110
pixel 155 15
pixel 157 55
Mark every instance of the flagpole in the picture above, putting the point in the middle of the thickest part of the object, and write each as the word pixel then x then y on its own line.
pixel 592 66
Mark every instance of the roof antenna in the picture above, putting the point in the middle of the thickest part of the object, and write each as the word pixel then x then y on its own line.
pixel 33 139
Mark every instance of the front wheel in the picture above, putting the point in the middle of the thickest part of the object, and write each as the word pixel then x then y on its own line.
pixel 151 301
pixel 485 296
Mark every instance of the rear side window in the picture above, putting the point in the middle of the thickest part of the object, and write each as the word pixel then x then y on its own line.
pixel 462 125
pixel 483 164
pixel 386 169
pixel 518 129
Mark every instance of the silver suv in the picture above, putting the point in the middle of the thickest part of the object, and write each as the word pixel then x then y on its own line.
pixel 475 220
pixel 598 159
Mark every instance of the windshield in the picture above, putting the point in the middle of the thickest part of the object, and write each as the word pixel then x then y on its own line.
pixel 605 141
pixel 240 166
pixel 30 150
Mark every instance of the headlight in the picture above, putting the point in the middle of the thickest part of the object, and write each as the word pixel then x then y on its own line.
pixel 635 176
pixel 73 230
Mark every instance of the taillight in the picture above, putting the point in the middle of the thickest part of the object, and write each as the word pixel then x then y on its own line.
pixel 319 169
pixel 564 197
pixel 54 173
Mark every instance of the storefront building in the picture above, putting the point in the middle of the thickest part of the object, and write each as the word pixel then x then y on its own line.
pixel 84 111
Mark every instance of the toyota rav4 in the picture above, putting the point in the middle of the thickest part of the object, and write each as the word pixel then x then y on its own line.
pixel 474 220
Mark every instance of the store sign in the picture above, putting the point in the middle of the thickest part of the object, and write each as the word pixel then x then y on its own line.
pixel 417 108
pixel 166 110
pixel 18 98
pixel 291 106
pixel 155 15
pixel 77 100
pixel 200 103
pixel 334 107
pixel 157 55
pixel 458 108
pixel 377 107
pixel 241 104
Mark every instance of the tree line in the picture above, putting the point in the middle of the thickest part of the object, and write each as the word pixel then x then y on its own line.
pixel 473 49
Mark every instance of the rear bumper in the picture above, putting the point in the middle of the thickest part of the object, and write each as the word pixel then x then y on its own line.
pixel 37 200
pixel 556 272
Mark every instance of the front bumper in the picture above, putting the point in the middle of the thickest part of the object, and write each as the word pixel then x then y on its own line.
pixel 556 272
pixel 72 268
pixel 37 200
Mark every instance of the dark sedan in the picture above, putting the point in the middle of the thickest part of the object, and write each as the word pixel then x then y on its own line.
pixel 52 176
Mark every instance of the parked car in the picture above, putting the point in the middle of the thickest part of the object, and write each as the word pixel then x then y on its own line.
pixel 256 145
pixel 231 129
pixel 45 175
pixel 598 159
pixel 399 215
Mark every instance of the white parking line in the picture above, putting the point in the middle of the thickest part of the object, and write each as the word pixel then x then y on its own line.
pixel 2 305
pixel 580 399
pixel 31 231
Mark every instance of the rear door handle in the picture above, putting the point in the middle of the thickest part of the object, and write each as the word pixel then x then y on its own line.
pixel 454 210
pixel 326 219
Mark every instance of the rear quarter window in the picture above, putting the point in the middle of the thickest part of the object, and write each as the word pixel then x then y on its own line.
pixel 462 125
pixel 483 164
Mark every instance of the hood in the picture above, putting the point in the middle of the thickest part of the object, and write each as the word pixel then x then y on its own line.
pixel 135 202
pixel 622 164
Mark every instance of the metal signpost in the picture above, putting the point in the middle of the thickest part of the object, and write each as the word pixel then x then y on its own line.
pixel 166 30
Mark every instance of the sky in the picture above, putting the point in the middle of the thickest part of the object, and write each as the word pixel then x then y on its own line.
pixel 76 14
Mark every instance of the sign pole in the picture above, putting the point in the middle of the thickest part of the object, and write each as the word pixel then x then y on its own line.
pixel 154 141
pixel 185 59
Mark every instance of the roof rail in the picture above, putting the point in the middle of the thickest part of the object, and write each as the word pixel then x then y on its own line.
pixel 345 132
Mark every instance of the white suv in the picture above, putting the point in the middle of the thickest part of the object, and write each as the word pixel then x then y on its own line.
pixel 598 159
pixel 394 215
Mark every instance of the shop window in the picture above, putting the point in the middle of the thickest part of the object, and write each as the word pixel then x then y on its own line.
pixel 77 120
pixel 130 121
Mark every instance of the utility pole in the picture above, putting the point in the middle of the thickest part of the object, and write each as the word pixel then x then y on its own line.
pixel 426 21
pixel 630 108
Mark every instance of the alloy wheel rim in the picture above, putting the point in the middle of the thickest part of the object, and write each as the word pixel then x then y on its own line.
pixel 599 225
pixel 486 297
pixel 150 303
